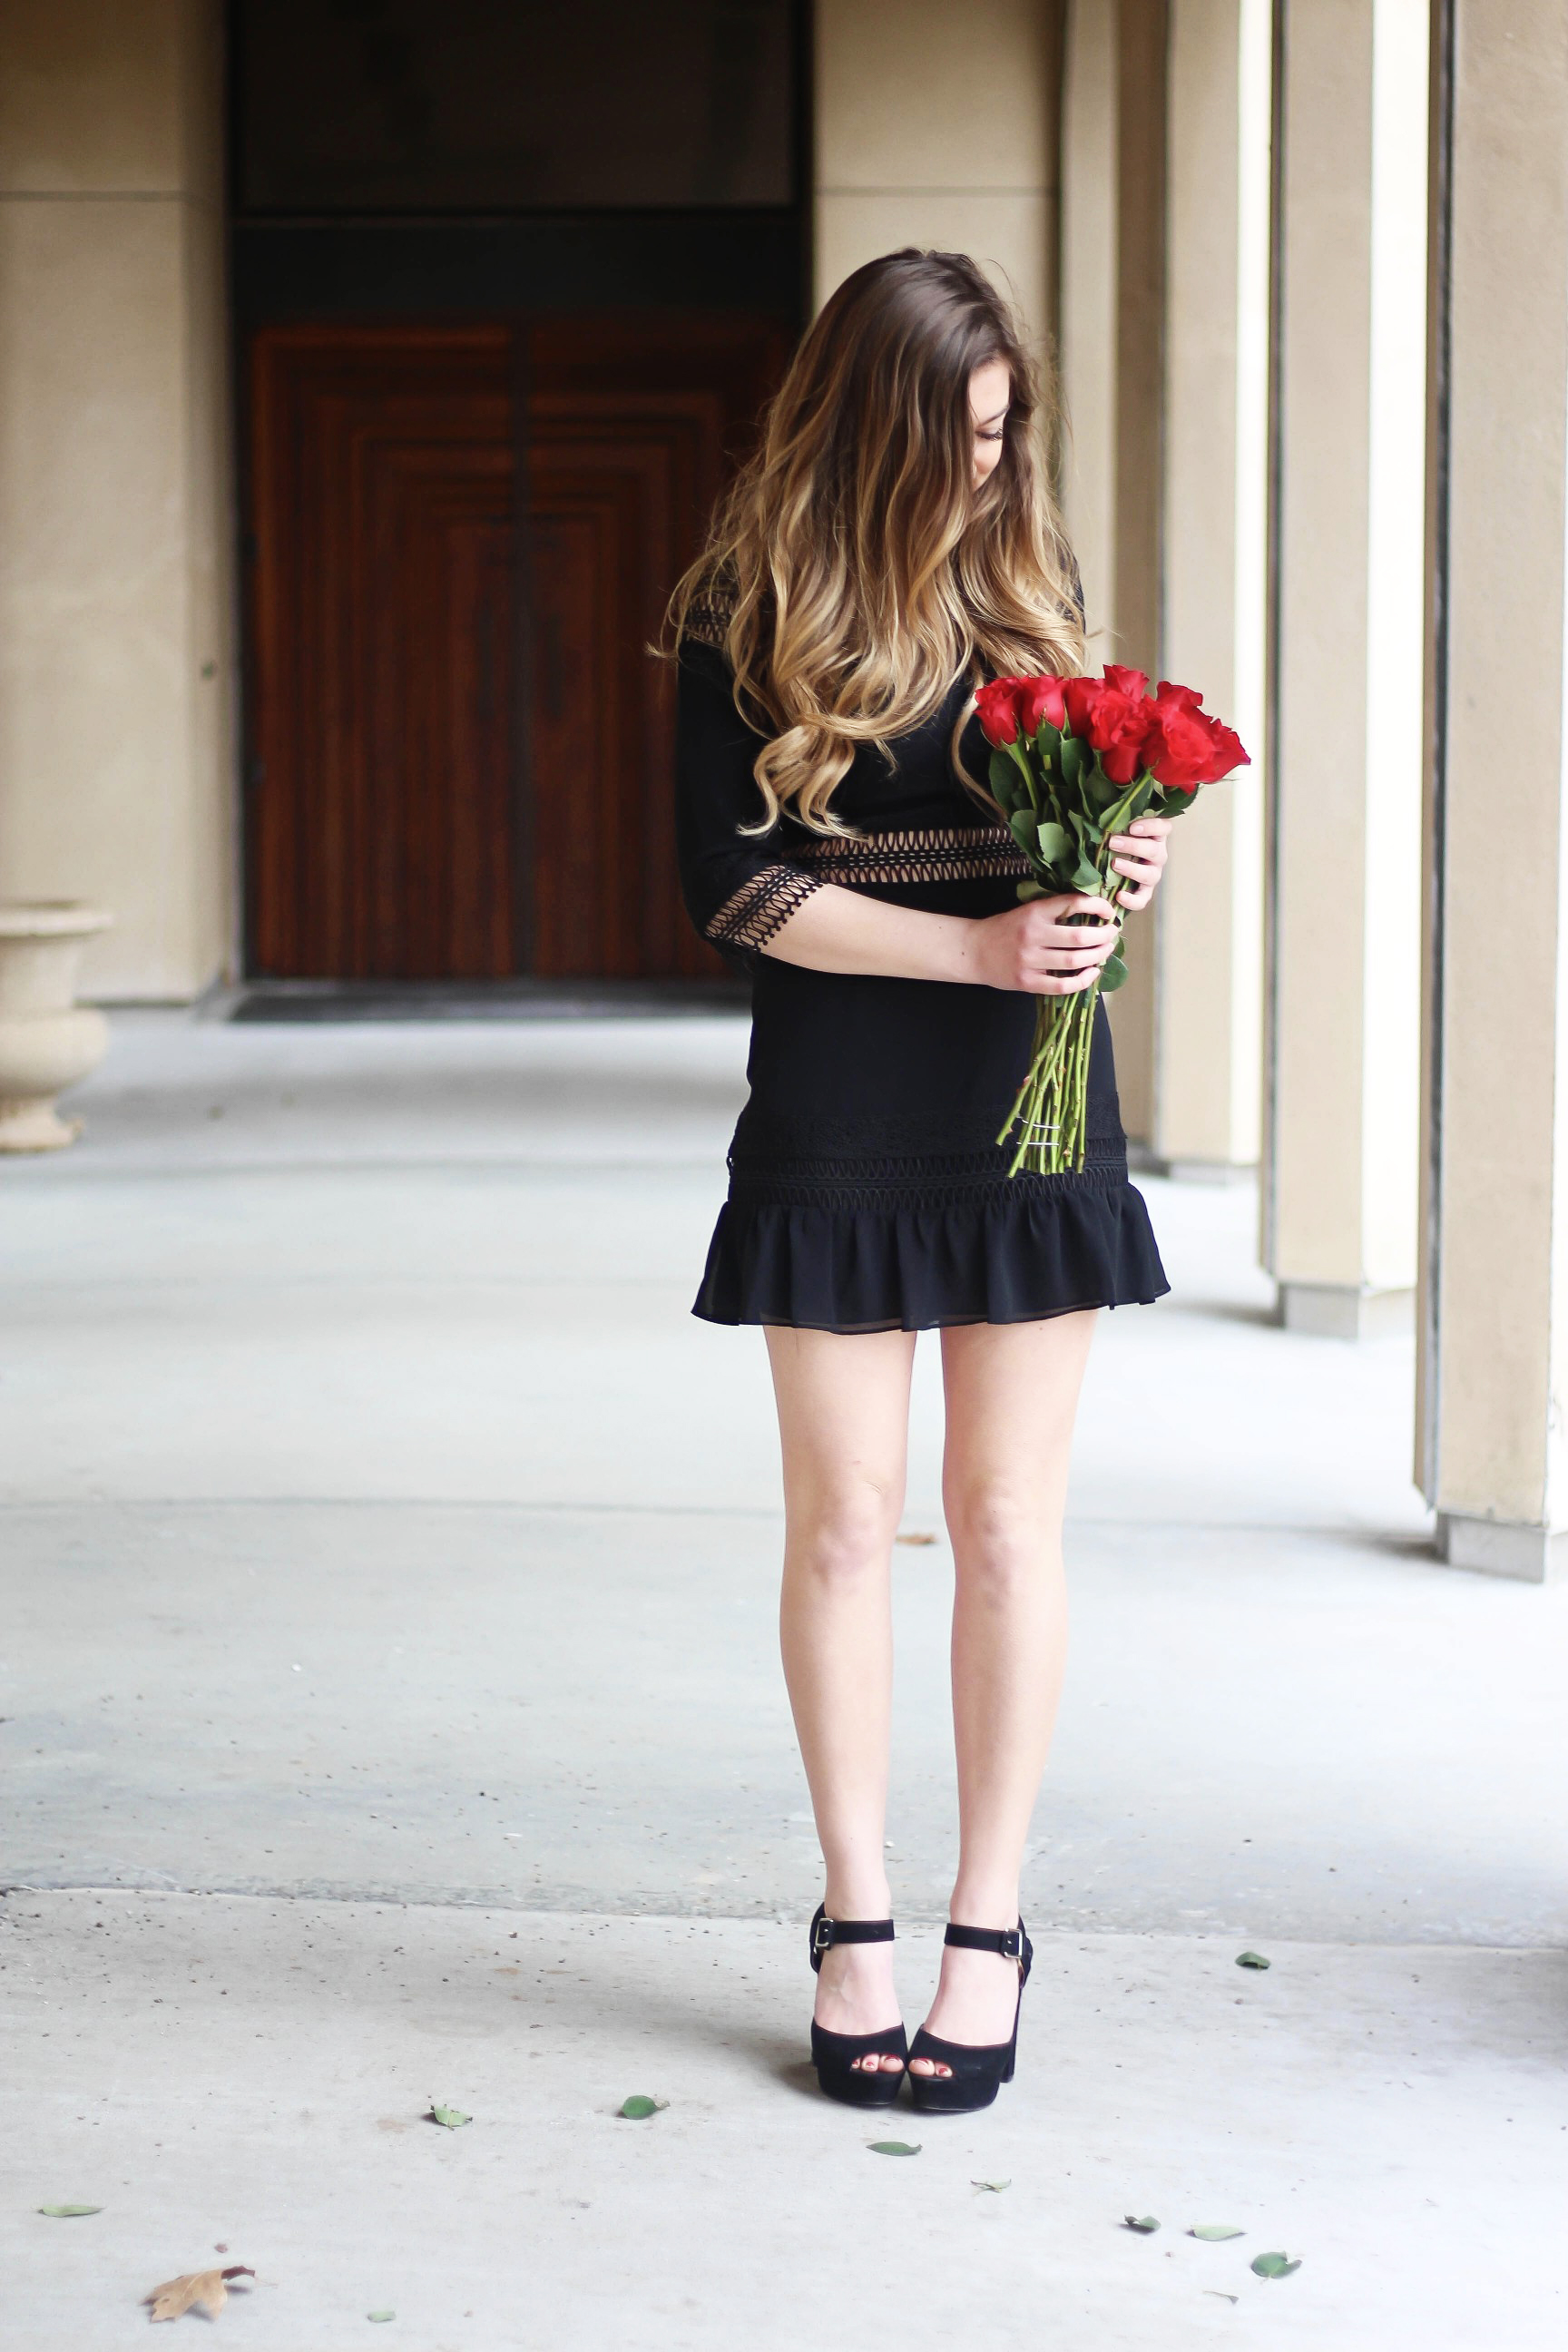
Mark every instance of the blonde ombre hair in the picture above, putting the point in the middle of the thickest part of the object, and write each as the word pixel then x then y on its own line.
pixel 853 568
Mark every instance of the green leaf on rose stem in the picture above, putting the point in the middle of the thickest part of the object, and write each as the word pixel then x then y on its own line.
pixel 1006 784
pixel 1252 1961
pixel 451 2118
pixel 1212 2233
pixel 1142 798
pixel 1048 741
pixel 1145 2223
pixel 1021 824
pixel 69 2212
pixel 1275 2265
pixel 639 2105
pixel 1027 890
pixel 1076 761
pixel 1087 878
pixel 1055 846
pixel 894 2147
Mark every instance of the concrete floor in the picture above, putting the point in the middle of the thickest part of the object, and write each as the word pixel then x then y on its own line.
pixel 391 1704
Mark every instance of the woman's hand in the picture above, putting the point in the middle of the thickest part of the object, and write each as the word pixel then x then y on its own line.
pixel 1139 852
pixel 1033 947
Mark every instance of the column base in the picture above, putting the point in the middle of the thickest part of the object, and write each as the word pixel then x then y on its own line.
pixel 1344 1310
pixel 1501 1547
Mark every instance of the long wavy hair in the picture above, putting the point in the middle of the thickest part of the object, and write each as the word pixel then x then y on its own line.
pixel 855 567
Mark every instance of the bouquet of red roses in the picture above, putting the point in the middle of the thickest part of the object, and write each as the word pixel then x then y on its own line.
pixel 1074 761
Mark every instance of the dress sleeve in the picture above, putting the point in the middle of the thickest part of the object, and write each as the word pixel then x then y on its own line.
pixel 739 891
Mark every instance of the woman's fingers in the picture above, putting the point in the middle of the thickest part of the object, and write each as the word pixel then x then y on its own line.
pixel 1139 854
pixel 1068 984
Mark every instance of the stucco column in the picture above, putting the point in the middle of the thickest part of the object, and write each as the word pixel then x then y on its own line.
pixel 1113 316
pixel 1209 999
pixel 1495 1335
pixel 116 646
pixel 936 126
pixel 1342 1155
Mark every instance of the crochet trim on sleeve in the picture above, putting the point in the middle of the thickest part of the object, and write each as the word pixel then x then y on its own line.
pixel 759 908
pixel 710 611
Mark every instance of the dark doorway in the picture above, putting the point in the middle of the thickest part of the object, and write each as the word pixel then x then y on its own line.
pixel 462 748
pixel 480 448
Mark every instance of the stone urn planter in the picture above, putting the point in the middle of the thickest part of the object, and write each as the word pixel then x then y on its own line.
pixel 47 1041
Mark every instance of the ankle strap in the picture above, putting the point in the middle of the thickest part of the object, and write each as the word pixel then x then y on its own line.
pixel 827 1932
pixel 1007 1943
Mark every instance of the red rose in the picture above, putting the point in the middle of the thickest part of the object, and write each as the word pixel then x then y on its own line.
pixel 1189 748
pixel 1080 694
pixel 1042 698
pixel 1119 728
pixel 1126 682
pixel 1228 752
pixel 1176 698
pixel 996 708
pixel 1181 749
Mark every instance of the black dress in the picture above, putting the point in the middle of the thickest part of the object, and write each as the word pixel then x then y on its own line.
pixel 868 1192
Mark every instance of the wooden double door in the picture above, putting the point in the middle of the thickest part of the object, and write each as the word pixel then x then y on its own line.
pixel 460 543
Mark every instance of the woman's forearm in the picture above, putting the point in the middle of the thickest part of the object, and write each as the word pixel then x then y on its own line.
pixel 1049 947
pixel 841 930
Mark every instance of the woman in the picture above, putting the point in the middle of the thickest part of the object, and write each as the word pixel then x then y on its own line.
pixel 891 544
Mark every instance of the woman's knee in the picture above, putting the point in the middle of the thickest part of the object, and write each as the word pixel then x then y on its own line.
pixel 843 1537
pixel 1002 1541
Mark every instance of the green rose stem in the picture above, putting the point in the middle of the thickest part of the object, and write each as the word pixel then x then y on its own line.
pixel 1051 1109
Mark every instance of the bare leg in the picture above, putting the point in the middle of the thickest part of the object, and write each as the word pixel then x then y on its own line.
pixel 1012 1399
pixel 844 1411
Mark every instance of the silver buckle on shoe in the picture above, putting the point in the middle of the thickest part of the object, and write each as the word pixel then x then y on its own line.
pixel 822 1935
pixel 1012 1945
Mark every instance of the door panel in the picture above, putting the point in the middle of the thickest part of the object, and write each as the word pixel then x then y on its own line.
pixel 382 531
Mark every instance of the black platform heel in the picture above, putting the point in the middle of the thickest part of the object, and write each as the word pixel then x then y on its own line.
pixel 978 2071
pixel 833 2054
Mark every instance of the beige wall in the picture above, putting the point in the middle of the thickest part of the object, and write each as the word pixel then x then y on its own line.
pixel 935 127
pixel 116 651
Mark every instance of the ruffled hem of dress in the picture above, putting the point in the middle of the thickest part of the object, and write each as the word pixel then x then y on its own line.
pixel 1043 1252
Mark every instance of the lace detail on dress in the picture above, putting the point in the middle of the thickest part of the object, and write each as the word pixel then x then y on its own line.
pixel 759 908
pixel 943 854
pixel 890 1184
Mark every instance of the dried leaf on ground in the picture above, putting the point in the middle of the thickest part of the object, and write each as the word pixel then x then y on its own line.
pixel 1222 2295
pixel 69 2212
pixel 1276 2265
pixel 448 2117
pixel 1252 1961
pixel 196 2291
pixel 997 2186
pixel 381 2315
pixel 894 2147
pixel 1144 2223
pixel 639 2105
pixel 1212 2231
